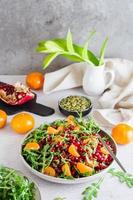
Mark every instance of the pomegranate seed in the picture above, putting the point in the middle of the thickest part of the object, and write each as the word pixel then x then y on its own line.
pixel 108 142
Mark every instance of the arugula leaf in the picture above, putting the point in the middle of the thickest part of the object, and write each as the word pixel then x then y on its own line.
pixel 122 176
pixel 49 59
pixel 85 49
pixel 14 186
pixel 69 42
pixel 102 51
pixel 92 191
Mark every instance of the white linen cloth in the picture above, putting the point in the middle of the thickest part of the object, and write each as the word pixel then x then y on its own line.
pixel 116 103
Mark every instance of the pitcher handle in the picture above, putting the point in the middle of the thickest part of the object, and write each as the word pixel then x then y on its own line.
pixel 111 78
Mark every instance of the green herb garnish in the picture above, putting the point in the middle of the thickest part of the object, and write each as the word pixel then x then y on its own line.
pixel 66 47
pixel 14 186
pixel 59 198
pixel 92 191
pixel 123 177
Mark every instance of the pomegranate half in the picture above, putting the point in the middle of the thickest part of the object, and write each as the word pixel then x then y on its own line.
pixel 16 94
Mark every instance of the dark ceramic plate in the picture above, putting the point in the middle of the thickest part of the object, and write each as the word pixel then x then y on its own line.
pixel 75 113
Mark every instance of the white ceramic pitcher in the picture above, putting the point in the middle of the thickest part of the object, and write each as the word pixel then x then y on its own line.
pixel 97 79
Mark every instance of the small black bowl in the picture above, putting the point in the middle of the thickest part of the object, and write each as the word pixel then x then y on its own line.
pixel 75 113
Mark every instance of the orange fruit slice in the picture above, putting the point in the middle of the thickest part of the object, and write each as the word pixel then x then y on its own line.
pixel 66 169
pixel 49 171
pixel 73 151
pixel 60 128
pixel 52 130
pixel 32 146
pixel 83 168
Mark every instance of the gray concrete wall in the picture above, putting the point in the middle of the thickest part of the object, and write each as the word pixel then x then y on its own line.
pixel 25 22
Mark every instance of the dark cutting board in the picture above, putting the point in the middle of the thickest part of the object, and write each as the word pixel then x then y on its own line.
pixel 30 106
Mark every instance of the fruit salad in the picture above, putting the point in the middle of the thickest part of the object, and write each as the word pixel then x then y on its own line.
pixel 67 148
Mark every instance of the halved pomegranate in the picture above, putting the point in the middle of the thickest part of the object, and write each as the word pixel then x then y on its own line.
pixel 16 94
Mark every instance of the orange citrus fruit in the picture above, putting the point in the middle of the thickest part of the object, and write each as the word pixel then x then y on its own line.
pixel 32 146
pixel 122 133
pixel 3 118
pixel 73 151
pixel 66 169
pixel 22 123
pixel 83 168
pixel 35 80
pixel 49 171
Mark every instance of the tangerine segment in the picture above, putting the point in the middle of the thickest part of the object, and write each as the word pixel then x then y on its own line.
pixel 32 146
pixel 49 171
pixel 66 169
pixel 83 168
pixel 3 118
pixel 58 139
pixel 73 151
pixel 70 118
pixel 77 128
pixel 122 133
pixel 52 130
pixel 60 128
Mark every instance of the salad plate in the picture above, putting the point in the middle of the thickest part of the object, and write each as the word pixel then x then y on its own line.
pixel 17 181
pixel 67 151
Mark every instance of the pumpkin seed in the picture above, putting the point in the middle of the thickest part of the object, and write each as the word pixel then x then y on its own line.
pixel 75 103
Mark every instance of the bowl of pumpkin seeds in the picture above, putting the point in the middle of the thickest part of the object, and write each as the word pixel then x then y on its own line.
pixel 75 105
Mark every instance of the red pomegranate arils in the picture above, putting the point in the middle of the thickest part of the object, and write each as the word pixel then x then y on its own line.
pixel 17 94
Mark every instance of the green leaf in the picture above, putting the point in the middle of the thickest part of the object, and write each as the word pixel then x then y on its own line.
pixel 59 198
pixel 49 59
pixel 42 43
pixel 122 176
pixel 69 42
pixel 53 46
pixel 74 52
pixel 77 57
pixel 91 56
pixel 85 49
pixel 73 58
pixel 41 49
pixel 92 191
pixel 102 51
pixel 15 186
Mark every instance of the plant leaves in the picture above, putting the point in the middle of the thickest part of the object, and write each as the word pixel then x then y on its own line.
pixel 15 186
pixel 53 46
pixel 66 48
pixel 48 59
pixel 78 50
pixel 41 49
pixel 73 58
pixel 102 51
pixel 69 42
pixel 85 49
pixel 122 176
